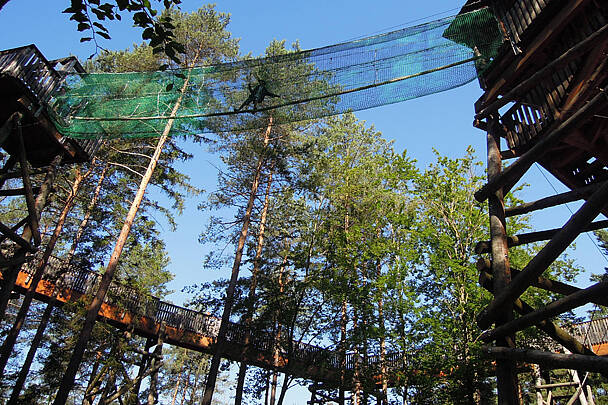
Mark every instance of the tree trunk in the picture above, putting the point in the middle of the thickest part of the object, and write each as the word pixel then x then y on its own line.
pixel 284 387
pixel 70 374
pixel 133 398
pixel 10 274
pixel 221 336
pixel 251 297
pixel 179 380
pixel 158 350
pixel 11 338
pixel 343 321
pixel 185 387
pixel 383 377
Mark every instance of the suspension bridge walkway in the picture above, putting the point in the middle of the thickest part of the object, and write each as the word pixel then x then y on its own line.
pixel 127 308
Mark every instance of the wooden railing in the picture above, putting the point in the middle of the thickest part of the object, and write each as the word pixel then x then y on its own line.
pixel 593 332
pixel 41 79
pixel 33 70
pixel 518 15
pixel 138 304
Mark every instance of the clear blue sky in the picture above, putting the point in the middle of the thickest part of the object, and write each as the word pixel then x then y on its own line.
pixel 441 121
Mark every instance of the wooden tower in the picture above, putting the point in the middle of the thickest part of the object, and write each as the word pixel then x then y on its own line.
pixel 545 101
pixel 31 148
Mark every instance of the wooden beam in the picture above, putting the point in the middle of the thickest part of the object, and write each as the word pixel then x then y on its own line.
pixel 516 170
pixel 15 228
pixel 552 201
pixel 550 310
pixel 7 128
pixel 558 334
pixel 17 191
pixel 555 385
pixel 574 52
pixel 550 360
pixel 531 237
pixel 9 233
pixel 562 239
pixel 27 185
pixel 513 71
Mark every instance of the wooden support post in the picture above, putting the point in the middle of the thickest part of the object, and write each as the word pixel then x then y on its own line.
pixel 516 170
pixel 9 233
pixel 18 191
pixel 506 373
pixel 554 200
pixel 546 256
pixel 550 360
pixel 27 185
pixel 551 329
pixel 158 350
pixel 532 237
pixel 555 308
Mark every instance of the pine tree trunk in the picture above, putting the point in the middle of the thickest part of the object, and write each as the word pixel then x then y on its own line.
pixel 70 374
pixel 186 387
pixel 179 380
pixel 383 377
pixel 25 368
pixel 11 338
pixel 133 397
pixel 10 274
pixel 251 297
pixel 343 321
pixel 284 387
pixel 158 351
pixel 221 337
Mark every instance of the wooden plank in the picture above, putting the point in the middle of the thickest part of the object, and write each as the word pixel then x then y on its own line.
pixel 548 34
pixel 17 191
pixel 566 235
pixel 574 52
pixel 550 360
pixel 514 172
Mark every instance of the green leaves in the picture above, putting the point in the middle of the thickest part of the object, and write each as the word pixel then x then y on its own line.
pixel 89 15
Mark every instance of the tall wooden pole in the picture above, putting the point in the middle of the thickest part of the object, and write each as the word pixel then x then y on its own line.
pixel 221 336
pixel 506 374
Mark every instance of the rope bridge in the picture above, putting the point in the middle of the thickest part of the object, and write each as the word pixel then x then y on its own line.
pixel 292 87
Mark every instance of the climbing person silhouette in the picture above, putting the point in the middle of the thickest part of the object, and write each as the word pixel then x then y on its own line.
pixel 256 95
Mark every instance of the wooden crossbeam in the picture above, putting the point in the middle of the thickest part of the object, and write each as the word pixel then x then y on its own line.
pixel 15 228
pixel 550 360
pixel 547 284
pixel 531 237
pixel 516 170
pixel 554 200
pixel 17 191
pixel 550 310
pixel 9 233
pixel 555 385
pixel 546 256
pixel 558 334
pixel 572 53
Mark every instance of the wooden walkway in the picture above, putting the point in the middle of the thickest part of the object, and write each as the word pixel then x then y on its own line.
pixel 128 309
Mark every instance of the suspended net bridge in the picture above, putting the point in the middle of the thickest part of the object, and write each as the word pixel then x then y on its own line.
pixel 292 87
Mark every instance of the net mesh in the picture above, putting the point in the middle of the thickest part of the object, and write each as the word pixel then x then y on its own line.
pixel 292 87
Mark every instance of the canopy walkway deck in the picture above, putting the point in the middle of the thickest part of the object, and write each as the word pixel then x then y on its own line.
pixel 128 309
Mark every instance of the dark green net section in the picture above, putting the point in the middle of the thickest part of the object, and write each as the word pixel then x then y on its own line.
pixel 365 73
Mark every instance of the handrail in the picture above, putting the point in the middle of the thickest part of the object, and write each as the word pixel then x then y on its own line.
pixel 85 281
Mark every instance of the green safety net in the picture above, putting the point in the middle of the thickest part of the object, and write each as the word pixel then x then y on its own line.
pixel 292 87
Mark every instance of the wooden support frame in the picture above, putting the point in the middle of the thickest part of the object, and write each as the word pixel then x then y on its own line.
pixel 547 284
pixel 551 329
pixel 531 237
pixel 546 256
pixel 27 185
pixel 554 200
pixel 553 309
pixel 516 170
pixel 18 191
pixel 550 360
pixel 506 371
pixel 572 53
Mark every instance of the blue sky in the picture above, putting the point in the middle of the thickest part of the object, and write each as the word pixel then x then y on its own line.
pixel 441 121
